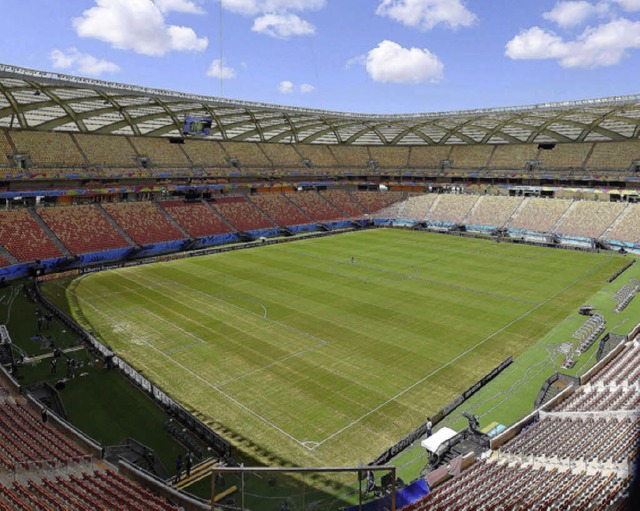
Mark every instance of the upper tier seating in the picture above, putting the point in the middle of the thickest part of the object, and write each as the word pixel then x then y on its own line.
pixel 627 228
pixel 318 155
pixel 539 214
pixel 428 157
pixel 82 229
pixel 144 222
pixel 470 157
pixel 564 156
pixel 206 153
pixel 452 208
pixel 392 157
pixel 48 149
pixel 247 153
pixel 196 218
pixel 242 214
pixel 373 202
pixel 352 157
pixel 614 155
pixel 160 151
pixel 513 156
pixel 107 150
pixel 280 209
pixel 5 150
pixel 589 218
pixel 281 155
pixel 21 235
pixel 495 211
pixel 315 206
pixel 343 201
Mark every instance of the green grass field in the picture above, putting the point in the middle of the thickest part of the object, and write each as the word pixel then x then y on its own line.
pixel 300 356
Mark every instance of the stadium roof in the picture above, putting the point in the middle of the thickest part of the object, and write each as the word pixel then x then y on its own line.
pixel 46 101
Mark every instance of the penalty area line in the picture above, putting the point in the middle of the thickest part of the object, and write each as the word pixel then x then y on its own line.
pixel 205 382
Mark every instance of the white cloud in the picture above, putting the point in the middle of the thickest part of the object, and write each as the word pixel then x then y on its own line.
pixel 254 7
pixel 219 69
pixel 307 88
pixel 574 12
pixel 286 87
pixel 137 25
pixel 282 26
pixel 186 6
pixel 604 45
pixel 81 63
pixel 629 5
pixel 390 62
pixel 426 14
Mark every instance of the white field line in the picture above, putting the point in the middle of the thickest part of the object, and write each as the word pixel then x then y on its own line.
pixel 189 292
pixel 198 339
pixel 201 379
pixel 458 357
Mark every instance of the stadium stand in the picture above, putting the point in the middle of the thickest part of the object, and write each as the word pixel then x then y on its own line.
pixel 494 211
pixel 242 214
pixel 470 157
pixel 414 208
pixel 428 157
pixel 160 151
pixel 82 229
pixel 282 155
pixel 48 149
pixel 318 155
pixel 314 205
pixel 343 202
pixel 539 214
pixel 27 443
pixel 513 156
pixel 4 262
pixel 280 209
pixel 21 235
pixel 589 218
pixel 616 156
pixel 626 227
pixel 390 157
pixel 374 202
pixel 5 152
pixel 195 218
pixel 624 370
pixel 205 153
pixel 501 485
pixel 248 154
pixel 352 156
pixel 564 156
pixel 107 150
pixel 144 222
pixel 452 208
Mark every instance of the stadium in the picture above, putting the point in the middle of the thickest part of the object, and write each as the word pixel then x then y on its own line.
pixel 303 303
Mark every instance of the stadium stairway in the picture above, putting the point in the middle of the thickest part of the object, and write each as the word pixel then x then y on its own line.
pixel 117 227
pixel 427 216
pixel 49 233
pixel 311 220
pixel 198 473
pixel 6 255
pixel 217 213
pixel 264 212
pixel 614 224
pixel 172 220
pixel 472 209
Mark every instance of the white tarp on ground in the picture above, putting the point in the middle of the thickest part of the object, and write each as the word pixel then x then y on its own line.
pixel 432 443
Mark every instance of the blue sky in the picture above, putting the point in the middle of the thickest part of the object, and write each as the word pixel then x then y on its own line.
pixel 373 56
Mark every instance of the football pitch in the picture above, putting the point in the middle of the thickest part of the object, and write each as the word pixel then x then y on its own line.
pixel 326 351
